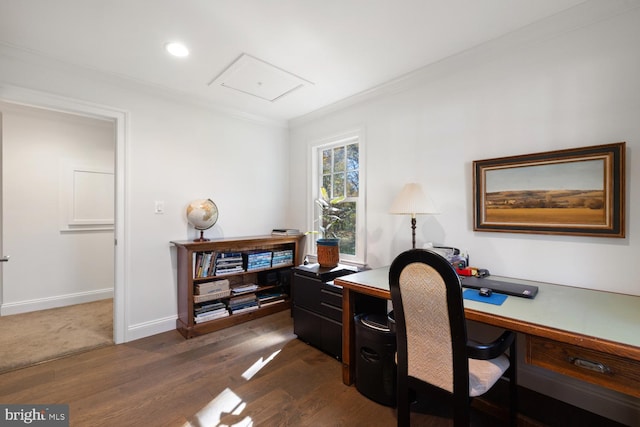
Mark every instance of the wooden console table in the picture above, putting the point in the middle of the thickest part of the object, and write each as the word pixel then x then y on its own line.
pixel 586 334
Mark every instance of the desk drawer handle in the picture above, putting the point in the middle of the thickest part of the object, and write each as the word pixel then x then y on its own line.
pixel 592 366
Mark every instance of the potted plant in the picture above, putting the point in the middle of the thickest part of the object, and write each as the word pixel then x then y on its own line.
pixel 328 245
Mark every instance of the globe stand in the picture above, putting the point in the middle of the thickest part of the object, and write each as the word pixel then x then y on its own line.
pixel 201 238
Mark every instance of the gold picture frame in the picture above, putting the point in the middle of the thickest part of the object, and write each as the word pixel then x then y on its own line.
pixel 578 191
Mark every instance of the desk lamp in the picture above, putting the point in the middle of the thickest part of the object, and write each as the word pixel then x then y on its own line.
pixel 412 201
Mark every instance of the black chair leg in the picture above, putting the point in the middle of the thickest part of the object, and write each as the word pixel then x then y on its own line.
pixel 403 406
pixel 513 385
pixel 461 411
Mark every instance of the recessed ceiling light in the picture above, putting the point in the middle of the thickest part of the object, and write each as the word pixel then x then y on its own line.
pixel 177 49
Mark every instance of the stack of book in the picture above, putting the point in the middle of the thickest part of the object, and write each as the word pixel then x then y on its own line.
pixel 257 260
pixel 240 289
pixel 203 264
pixel 270 298
pixel 211 290
pixel 282 258
pixel 243 303
pixel 206 312
pixel 285 232
pixel 229 263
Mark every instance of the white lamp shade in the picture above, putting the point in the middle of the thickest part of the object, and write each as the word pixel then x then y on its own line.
pixel 412 201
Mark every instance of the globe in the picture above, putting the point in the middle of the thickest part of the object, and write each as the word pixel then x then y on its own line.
pixel 202 214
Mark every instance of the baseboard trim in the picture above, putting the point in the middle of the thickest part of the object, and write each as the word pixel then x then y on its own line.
pixel 54 302
pixel 153 327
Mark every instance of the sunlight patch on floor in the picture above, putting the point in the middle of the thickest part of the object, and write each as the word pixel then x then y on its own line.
pixel 260 363
pixel 227 403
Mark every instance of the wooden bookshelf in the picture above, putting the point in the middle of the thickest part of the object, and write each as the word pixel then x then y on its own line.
pixel 269 279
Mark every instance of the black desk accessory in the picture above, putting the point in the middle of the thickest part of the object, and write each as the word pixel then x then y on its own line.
pixel 325 274
pixel 502 287
pixel 485 292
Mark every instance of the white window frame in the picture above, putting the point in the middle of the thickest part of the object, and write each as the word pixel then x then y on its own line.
pixel 316 147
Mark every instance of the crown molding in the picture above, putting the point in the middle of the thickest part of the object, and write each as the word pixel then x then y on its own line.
pixel 40 59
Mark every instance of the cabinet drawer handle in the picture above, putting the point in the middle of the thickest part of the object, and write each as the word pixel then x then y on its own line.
pixel 333 307
pixel 592 366
pixel 333 294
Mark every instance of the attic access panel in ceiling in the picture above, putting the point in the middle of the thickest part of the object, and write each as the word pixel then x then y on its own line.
pixel 258 78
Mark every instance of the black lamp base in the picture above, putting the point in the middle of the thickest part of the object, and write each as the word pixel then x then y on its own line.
pixel 413 233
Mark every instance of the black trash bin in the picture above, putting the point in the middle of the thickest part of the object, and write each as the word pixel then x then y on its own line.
pixel 375 358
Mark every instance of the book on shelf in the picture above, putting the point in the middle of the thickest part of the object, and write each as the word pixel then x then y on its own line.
pixel 203 264
pixel 285 232
pixel 209 307
pixel 210 312
pixel 206 318
pixel 271 295
pixel 197 263
pixel 250 287
pixel 220 262
pixel 212 304
pixel 229 270
pixel 244 309
pixel 206 264
pixel 282 258
pixel 228 263
pixel 229 256
pixel 237 308
pixel 256 260
pixel 243 301
pixel 272 302
pixel 242 298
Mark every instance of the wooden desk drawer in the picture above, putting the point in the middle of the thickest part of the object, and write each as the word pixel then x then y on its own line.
pixel 593 366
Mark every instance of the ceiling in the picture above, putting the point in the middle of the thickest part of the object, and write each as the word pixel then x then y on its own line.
pixel 336 48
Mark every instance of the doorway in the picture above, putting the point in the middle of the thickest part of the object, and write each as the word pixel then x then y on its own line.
pixel 58 200
pixel 116 119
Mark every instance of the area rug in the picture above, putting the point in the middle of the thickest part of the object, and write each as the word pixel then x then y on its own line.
pixel 30 338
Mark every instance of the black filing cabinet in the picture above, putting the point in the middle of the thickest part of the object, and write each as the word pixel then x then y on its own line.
pixel 317 306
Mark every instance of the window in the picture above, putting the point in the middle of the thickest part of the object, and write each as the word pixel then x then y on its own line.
pixel 338 170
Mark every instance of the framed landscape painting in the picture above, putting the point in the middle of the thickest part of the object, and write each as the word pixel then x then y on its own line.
pixel 578 191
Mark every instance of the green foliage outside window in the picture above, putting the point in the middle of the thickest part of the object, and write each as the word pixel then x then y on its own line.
pixel 340 188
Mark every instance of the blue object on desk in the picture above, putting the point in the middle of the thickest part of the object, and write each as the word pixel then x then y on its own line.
pixel 474 295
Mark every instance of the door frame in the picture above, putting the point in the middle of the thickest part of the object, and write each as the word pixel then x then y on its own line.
pixel 120 118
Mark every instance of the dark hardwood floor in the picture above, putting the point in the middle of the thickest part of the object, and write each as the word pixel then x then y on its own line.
pixel 165 380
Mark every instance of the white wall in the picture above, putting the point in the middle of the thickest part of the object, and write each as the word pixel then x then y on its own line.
pixel 563 90
pixel 576 89
pixel 176 151
pixel 50 267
